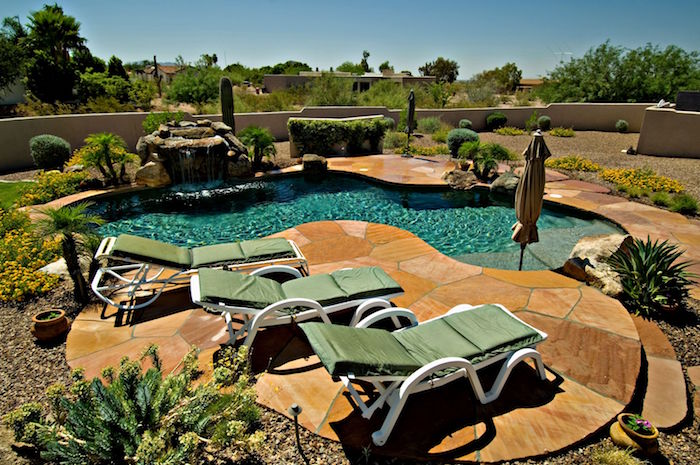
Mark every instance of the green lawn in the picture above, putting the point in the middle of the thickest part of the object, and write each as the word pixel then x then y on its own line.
pixel 9 191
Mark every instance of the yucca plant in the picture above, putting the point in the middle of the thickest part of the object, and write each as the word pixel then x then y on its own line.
pixel 135 417
pixel 652 276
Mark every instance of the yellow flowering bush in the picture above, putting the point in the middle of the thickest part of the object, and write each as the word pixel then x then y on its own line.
pixel 641 178
pixel 51 185
pixel 21 255
pixel 562 132
pixel 573 163
pixel 509 131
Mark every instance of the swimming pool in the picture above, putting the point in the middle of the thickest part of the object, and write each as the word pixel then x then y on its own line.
pixel 467 226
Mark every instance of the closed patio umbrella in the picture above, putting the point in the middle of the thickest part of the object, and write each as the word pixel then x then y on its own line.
pixel 528 195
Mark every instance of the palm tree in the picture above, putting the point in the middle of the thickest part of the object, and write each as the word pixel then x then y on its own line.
pixel 71 224
pixel 262 142
pixel 108 149
pixel 52 30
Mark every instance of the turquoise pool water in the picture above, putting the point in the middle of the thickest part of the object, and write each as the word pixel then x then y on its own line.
pixel 466 226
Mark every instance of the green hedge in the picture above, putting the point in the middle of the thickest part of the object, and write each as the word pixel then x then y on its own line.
pixel 319 136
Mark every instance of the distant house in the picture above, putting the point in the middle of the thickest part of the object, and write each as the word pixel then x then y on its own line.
pixel 527 84
pixel 361 82
pixel 167 72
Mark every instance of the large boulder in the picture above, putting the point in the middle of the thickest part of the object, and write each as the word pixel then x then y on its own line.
pixel 588 261
pixel 314 165
pixel 460 180
pixel 60 268
pixel 506 184
pixel 153 174
pixel 240 167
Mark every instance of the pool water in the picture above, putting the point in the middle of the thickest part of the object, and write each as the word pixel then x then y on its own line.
pixel 467 226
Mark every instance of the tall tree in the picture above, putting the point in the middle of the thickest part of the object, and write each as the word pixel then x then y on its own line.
pixel 116 68
pixel 12 51
pixel 364 63
pixel 443 69
pixel 84 60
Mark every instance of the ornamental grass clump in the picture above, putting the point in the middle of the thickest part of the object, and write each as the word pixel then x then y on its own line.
pixel 684 203
pixel 509 131
pixel 136 417
pixel 652 276
pixel 572 163
pixel 614 456
pixel 562 132
pixel 642 178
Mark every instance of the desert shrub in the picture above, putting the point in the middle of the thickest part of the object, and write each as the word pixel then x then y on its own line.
pixel 330 90
pixel 49 152
pixel 468 150
pixel 562 132
pixel 465 124
pixel 440 149
pixel 456 137
pixel 21 255
pixel 195 85
pixel 614 456
pixel 395 139
pixel 621 125
pixel 140 414
pixel 429 125
pixel 661 198
pixel 496 120
pixel 51 185
pixel 531 122
pixel 544 122
pixel 633 192
pixel 153 120
pixel 389 123
pixel 684 203
pixel 440 135
pixel 652 276
pixel 403 121
pixel 319 136
pixel 642 178
pixel 497 151
pixel 572 163
pixel 509 131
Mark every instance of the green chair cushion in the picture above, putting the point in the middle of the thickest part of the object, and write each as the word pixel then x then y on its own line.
pixel 364 351
pixel 238 289
pixel 365 282
pixel 218 253
pixel 151 251
pixel 322 288
pixel 434 340
pixel 268 249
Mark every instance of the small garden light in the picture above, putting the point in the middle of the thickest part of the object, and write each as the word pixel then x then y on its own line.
pixel 295 410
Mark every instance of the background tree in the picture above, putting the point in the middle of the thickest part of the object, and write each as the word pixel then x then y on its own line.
pixel 386 66
pixel 71 224
pixel 505 78
pixel 207 60
pixel 443 69
pixel 350 67
pixel 84 60
pixel 12 51
pixel 116 68
pixel 363 62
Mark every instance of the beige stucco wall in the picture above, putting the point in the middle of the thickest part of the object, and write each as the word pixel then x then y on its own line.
pixel 16 132
pixel 668 132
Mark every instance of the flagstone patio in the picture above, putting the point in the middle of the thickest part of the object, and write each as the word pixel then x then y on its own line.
pixel 593 352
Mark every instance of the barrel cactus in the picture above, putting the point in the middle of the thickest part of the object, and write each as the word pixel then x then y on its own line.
pixel 226 95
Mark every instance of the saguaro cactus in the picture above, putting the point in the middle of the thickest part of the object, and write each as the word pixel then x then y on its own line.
pixel 226 95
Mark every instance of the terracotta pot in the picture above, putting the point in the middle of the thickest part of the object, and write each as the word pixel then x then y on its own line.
pixel 646 441
pixel 45 330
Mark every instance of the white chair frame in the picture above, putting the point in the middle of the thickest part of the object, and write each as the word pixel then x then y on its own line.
pixel 132 275
pixel 395 390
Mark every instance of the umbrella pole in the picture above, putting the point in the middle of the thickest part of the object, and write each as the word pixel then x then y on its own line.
pixel 522 251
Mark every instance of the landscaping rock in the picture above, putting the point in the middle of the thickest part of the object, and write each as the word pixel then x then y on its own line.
pixel 506 183
pixel 192 133
pixel 315 165
pixel 240 168
pixel 235 144
pixel 220 127
pixel 59 267
pixel 153 174
pixel 74 168
pixel 184 124
pixel 460 180
pixel 587 261
pixel 204 122
pixel 163 131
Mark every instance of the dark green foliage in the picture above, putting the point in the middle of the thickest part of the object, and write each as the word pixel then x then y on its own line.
pixel 49 152
pixel 350 67
pixel 443 69
pixel 652 276
pixel 142 417
pixel 48 79
pixel 429 125
pixel 386 66
pixel 506 77
pixel 456 137
pixel 661 198
pixel 226 98
pixel 115 68
pixel 531 122
pixel 319 136
pixel 261 141
pixel 544 122
pixel 96 85
pixel 621 125
pixel 465 124
pixel 484 164
pixel 468 150
pixel 684 203
pixel 85 61
pixel 12 54
pixel 330 90
pixel 496 120
pixel 195 85
pixel 153 120
pixel 497 151
pixel 610 73
pixel 389 123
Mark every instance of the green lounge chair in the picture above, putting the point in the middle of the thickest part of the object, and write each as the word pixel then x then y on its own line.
pixel 424 356
pixel 136 266
pixel 264 302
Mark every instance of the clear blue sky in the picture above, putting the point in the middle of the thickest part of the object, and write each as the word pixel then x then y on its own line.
pixel 477 34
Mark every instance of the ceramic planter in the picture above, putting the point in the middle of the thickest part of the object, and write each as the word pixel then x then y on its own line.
pixel 648 442
pixel 47 329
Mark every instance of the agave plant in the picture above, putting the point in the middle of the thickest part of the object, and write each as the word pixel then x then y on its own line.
pixel 652 276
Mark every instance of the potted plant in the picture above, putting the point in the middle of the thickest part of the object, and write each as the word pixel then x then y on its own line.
pixel 639 430
pixel 49 324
